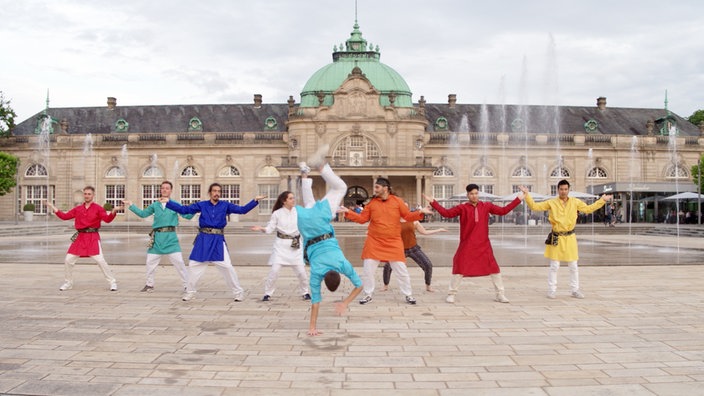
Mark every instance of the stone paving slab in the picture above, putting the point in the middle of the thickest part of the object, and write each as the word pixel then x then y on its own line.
pixel 640 331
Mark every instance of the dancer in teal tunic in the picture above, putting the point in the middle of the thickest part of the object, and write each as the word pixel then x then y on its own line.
pixel 321 247
pixel 163 240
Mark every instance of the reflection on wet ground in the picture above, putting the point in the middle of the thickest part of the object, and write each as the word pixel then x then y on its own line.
pixel 254 249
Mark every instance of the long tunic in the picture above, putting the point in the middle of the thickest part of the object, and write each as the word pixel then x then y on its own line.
pixel 209 247
pixel 285 221
pixel 325 255
pixel 88 243
pixel 164 242
pixel 384 241
pixel 475 256
pixel 563 218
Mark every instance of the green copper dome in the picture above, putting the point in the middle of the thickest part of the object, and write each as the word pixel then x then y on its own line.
pixel 356 53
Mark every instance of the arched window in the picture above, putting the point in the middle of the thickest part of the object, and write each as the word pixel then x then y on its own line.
pixel 443 171
pixel 560 172
pixel 229 171
pixel 115 171
pixel 522 171
pixel 676 172
pixel 36 170
pixel 268 171
pixel 355 150
pixel 189 171
pixel 597 172
pixel 483 171
pixel 153 171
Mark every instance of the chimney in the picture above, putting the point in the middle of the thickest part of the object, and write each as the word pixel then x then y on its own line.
pixel 452 100
pixel 257 100
pixel 421 105
pixel 112 103
pixel 290 102
pixel 601 103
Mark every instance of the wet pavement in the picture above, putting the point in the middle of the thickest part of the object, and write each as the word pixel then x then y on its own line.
pixel 639 331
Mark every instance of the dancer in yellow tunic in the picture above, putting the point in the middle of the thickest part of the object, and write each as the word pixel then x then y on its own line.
pixel 561 244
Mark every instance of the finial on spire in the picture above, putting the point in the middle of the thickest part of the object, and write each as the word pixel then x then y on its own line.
pixel 668 111
pixel 355 12
pixel 46 109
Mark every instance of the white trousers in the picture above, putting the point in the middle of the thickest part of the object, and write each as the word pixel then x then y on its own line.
pixel 400 271
pixel 299 270
pixel 71 259
pixel 196 269
pixel 552 276
pixel 456 281
pixel 176 259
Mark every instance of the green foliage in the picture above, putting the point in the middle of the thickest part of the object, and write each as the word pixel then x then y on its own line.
pixel 7 117
pixel 696 117
pixel 107 206
pixel 8 172
pixel 695 173
pixel 28 207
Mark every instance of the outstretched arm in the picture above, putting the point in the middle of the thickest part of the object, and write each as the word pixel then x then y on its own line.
pixel 424 231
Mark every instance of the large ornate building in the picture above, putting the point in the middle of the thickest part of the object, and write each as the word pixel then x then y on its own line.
pixel 364 110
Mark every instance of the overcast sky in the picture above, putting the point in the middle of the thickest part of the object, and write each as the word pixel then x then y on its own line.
pixel 154 52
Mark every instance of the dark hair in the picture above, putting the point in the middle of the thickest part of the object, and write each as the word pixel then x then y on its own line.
pixel 167 182
pixel 471 187
pixel 563 182
pixel 280 201
pixel 382 181
pixel 332 280
pixel 210 189
pixel 89 188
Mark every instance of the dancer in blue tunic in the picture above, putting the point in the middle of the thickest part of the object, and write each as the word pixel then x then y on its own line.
pixel 210 246
pixel 321 247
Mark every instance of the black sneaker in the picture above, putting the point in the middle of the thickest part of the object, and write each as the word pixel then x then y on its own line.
pixel 306 296
pixel 366 300
pixel 147 289
pixel 266 298
pixel 410 300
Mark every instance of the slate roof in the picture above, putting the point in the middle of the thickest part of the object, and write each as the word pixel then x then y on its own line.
pixel 247 118
pixel 542 119
pixel 166 118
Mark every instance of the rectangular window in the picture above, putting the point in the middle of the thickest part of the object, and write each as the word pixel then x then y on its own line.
pixel 553 190
pixel 36 195
pixel 487 188
pixel 443 191
pixel 150 194
pixel 516 187
pixel 231 193
pixel 114 194
pixel 190 194
pixel 272 192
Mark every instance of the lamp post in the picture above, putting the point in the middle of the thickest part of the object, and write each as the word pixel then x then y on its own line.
pixel 699 189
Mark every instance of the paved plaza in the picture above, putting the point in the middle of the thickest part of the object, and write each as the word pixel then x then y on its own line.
pixel 639 331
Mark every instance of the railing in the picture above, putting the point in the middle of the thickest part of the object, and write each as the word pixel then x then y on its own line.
pixel 190 137
pixel 152 137
pixel 229 136
pixel 114 138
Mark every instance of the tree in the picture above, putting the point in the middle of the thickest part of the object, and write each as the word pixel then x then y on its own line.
pixel 696 117
pixel 695 173
pixel 8 172
pixel 7 117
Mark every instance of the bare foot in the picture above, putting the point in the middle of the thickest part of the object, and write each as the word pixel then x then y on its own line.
pixel 429 289
pixel 385 288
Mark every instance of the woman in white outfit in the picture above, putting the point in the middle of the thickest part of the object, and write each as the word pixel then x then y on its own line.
pixel 287 246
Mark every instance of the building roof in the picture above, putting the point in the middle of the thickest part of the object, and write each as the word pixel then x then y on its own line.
pixel 165 118
pixel 551 119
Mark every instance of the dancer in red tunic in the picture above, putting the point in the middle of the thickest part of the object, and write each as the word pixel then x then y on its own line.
pixel 86 240
pixel 474 256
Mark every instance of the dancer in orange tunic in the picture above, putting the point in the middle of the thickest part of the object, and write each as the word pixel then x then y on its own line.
pixel 384 243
